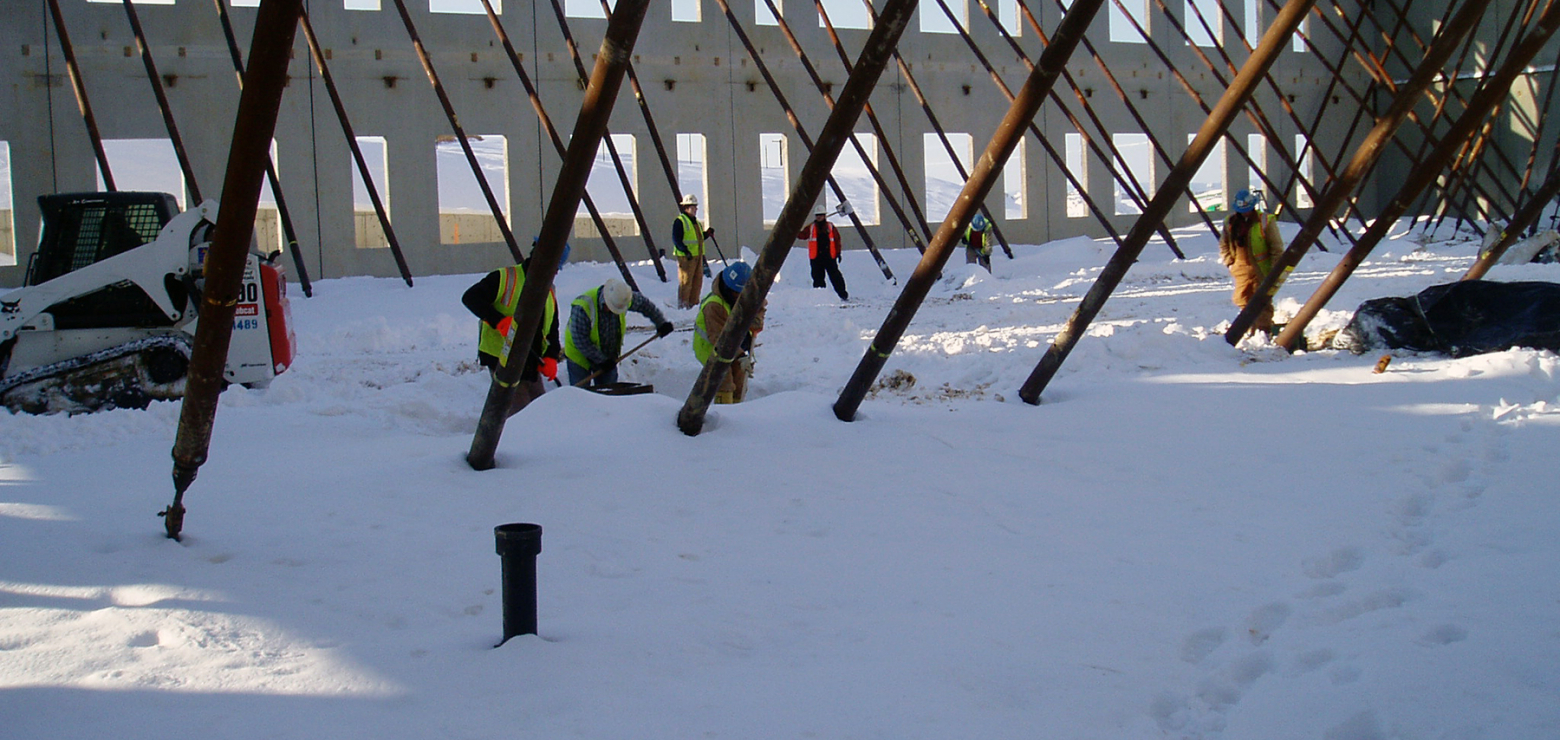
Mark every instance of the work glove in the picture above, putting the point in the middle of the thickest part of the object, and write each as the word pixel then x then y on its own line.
pixel 548 368
pixel 504 326
pixel 745 364
pixel 710 232
pixel 662 329
pixel 606 369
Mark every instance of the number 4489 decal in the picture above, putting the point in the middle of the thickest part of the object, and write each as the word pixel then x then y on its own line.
pixel 245 316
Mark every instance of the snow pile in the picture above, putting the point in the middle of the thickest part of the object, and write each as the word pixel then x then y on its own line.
pixel 1184 540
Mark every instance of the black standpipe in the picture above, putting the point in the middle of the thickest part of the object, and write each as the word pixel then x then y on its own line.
pixel 518 546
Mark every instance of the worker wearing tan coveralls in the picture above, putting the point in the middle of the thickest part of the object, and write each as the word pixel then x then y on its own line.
pixel 1249 246
pixel 711 321
pixel 688 237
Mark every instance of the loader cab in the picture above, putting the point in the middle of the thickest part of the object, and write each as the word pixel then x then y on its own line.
pixel 80 229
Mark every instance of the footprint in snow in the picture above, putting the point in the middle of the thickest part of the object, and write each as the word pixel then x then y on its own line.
pixel 1338 561
pixel 1262 622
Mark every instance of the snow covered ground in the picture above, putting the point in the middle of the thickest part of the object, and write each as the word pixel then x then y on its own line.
pixel 1184 540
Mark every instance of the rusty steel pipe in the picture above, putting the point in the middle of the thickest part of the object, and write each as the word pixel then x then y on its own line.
pixel 460 133
pixel 1364 160
pixel 288 232
pixel 557 142
pixel 874 57
pixel 357 152
pixel 1525 216
pixel 1020 115
pixel 253 128
pixel 1127 179
pixel 913 226
pixel 616 49
pixel 83 103
pixel 1228 107
pixel 801 133
pixel 606 140
pixel 1483 101
pixel 883 138
pixel 162 103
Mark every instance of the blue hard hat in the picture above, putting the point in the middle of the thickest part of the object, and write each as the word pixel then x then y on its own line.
pixel 1245 201
pixel 563 259
pixel 979 223
pixel 736 276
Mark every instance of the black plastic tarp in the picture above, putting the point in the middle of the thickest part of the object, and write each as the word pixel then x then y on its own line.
pixel 1459 319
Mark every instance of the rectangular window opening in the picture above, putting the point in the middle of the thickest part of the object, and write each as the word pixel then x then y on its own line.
pixel 464 214
pixel 371 5
pixel 1014 183
pixel 934 20
pixel 762 16
pixel 1138 157
pixel 1256 152
pixel 1304 151
pixel 773 172
pixel 579 8
pixel 268 218
pixel 692 174
pixel 607 192
pixel 466 7
pixel 843 14
pixel 1012 20
pixel 1077 206
pixel 145 164
pixel 368 233
pixel 1298 42
pixel 1253 28
pixel 1208 182
pixel 1121 28
pixel 855 180
pixel 1196 31
pixel 7 214
pixel 943 181
pixel 686 11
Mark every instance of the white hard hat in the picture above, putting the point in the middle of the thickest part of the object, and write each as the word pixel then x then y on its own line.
pixel 689 200
pixel 616 295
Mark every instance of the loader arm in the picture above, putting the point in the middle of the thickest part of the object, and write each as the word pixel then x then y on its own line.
pixel 147 267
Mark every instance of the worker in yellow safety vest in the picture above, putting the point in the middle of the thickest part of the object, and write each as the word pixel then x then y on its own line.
pixel 595 338
pixel 1249 246
pixel 493 300
pixel 711 321
pixel 688 237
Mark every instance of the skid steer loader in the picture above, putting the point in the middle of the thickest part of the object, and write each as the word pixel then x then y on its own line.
pixel 106 317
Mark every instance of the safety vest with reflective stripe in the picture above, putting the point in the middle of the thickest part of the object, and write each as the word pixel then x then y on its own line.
pixel 590 301
pixel 511 280
pixel 689 226
pixel 703 346
pixel 985 239
pixel 812 240
pixel 1261 256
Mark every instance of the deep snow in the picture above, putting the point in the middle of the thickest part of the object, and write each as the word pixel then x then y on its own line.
pixel 1184 540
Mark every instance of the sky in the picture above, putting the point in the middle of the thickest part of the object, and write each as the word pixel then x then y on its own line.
pixel 1184 539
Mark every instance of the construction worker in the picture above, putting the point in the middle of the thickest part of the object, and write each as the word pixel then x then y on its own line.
pixel 595 337
pixel 493 300
pixel 1249 246
pixel 977 240
pixel 711 321
pixel 688 237
pixel 823 251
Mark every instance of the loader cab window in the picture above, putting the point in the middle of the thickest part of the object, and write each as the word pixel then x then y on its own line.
pixel 82 229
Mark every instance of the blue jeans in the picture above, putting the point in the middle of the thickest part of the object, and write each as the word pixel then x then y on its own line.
pixel 578 372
